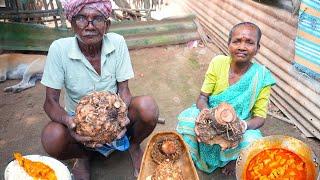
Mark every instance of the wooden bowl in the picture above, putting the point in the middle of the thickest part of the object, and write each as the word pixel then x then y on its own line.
pixel 185 162
pixel 278 141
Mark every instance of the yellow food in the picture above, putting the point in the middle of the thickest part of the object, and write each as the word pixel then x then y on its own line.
pixel 37 170
pixel 276 164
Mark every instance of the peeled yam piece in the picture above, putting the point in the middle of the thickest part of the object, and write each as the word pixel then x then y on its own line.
pixel 167 171
pixel 101 116
pixel 166 149
pixel 219 126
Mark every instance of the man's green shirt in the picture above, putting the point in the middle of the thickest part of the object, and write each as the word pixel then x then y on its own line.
pixel 66 67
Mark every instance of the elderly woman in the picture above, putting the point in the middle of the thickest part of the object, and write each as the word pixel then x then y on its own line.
pixel 239 81
pixel 92 60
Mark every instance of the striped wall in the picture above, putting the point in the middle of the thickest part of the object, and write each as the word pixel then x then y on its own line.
pixel 307 57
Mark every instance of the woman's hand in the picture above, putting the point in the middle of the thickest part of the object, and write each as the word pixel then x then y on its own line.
pixel 205 111
pixel 197 134
pixel 202 102
pixel 255 123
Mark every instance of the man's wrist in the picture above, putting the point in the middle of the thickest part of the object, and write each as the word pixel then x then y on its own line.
pixel 65 120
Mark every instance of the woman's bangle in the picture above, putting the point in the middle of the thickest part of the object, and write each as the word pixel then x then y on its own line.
pixel 245 125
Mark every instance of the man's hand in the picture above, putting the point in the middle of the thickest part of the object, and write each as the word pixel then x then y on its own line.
pixel 124 92
pixel 69 122
pixel 123 124
pixel 71 126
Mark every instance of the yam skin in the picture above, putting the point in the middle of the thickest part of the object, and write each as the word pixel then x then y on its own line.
pixel 219 125
pixel 101 116
pixel 167 171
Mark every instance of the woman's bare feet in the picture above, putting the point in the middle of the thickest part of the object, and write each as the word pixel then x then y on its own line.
pixel 230 168
pixel 81 169
pixel 136 154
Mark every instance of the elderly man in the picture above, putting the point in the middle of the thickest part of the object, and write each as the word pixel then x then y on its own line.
pixel 92 60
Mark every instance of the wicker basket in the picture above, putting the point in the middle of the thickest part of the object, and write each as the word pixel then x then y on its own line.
pixel 148 166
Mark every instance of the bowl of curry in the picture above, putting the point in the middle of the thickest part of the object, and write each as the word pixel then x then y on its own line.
pixel 277 157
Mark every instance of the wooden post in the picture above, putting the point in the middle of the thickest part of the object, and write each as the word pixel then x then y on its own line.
pixel 54 17
pixel 62 16
pixel 45 4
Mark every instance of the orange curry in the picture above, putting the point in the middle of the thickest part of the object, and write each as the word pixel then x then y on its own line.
pixel 278 164
pixel 37 170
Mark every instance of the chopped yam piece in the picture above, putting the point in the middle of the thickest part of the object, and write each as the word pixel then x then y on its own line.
pixel 276 164
pixel 292 173
pixel 266 161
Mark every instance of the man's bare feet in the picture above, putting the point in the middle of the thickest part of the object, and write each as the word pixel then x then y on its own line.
pixel 81 169
pixel 136 154
pixel 230 168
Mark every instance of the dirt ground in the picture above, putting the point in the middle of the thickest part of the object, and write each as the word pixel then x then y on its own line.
pixel 172 75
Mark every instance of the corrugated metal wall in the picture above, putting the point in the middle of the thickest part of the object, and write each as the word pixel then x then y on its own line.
pixel 295 98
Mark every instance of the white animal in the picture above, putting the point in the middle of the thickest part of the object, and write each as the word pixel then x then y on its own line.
pixel 27 67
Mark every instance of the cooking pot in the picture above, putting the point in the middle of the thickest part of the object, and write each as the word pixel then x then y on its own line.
pixel 278 141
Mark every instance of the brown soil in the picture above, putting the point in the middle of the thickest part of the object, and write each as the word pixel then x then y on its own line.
pixel 172 75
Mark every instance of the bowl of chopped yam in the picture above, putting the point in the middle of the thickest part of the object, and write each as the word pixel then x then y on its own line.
pixel 277 157
pixel 32 167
